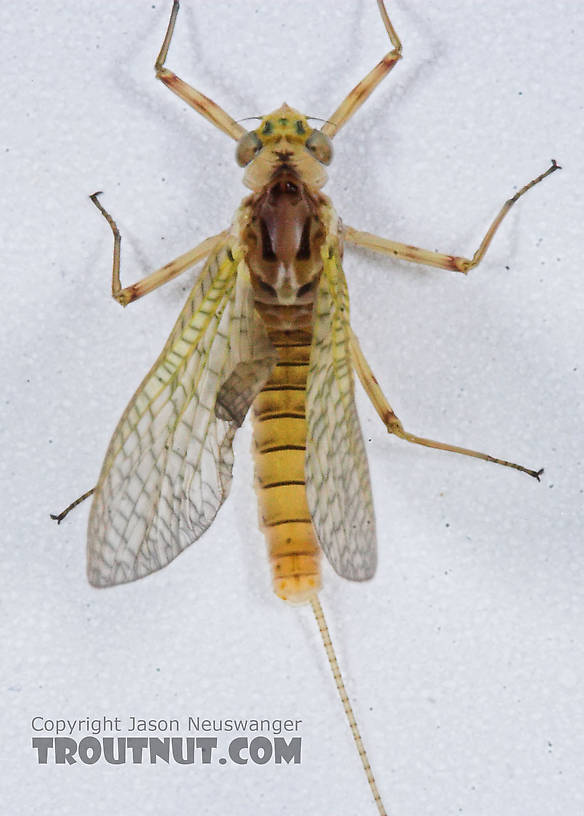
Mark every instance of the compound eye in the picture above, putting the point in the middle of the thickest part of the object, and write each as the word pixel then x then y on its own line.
pixel 320 146
pixel 247 148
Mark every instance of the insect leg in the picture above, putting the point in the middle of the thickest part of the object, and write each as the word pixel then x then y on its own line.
pixel 160 276
pixel 201 103
pixel 430 258
pixel 59 517
pixel 393 424
pixel 363 90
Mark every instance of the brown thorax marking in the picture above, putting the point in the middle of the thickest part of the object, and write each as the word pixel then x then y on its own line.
pixel 283 236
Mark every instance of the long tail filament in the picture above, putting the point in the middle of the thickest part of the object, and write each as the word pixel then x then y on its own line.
pixel 332 659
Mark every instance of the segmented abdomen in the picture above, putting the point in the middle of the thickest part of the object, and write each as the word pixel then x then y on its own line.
pixel 279 448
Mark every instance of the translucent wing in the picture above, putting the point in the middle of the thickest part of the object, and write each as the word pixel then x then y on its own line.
pixel 337 474
pixel 168 466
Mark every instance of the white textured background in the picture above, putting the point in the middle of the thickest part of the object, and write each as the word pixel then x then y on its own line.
pixel 464 656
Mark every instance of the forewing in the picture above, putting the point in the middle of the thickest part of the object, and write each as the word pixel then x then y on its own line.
pixel 168 467
pixel 337 474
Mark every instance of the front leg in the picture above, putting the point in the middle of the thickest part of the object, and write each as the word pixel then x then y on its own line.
pixel 394 426
pixel 201 103
pixel 363 90
pixel 427 256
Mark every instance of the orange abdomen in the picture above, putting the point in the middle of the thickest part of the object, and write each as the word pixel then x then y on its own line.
pixel 279 448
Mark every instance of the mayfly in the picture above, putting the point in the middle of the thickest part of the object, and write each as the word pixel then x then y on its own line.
pixel 266 327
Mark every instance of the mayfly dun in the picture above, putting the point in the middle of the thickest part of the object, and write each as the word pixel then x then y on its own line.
pixel 265 330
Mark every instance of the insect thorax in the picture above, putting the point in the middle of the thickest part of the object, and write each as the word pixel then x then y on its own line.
pixel 283 233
